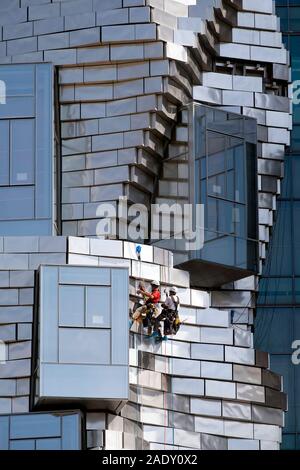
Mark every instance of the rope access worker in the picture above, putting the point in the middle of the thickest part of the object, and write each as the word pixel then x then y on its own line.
pixel 150 308
pixel 169 316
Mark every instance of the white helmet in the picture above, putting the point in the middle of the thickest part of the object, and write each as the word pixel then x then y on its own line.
pixel 173 289
pixel 155 283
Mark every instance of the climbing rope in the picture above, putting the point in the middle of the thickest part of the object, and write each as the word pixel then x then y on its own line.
pixel 168 368
pixel 138 251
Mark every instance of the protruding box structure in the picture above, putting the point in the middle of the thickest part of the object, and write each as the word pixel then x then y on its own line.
pixel 223 179
pixel 81 338
pixel 215 172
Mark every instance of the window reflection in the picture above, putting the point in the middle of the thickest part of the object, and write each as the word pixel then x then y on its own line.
pixel 225 183
pixel 41 431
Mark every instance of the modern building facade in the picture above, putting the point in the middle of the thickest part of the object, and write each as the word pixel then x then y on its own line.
pixel 278 312
pixel 156 102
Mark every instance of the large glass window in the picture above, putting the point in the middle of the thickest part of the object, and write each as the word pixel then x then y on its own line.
pixel 41 431
pixel 225 183
pixel 26 150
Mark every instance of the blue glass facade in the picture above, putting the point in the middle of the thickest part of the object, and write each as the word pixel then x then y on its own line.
pixel 41 431
pixel 26 135
pixel 278 314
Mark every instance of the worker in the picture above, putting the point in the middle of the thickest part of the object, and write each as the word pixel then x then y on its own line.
pixel 169 316
pixel 150 309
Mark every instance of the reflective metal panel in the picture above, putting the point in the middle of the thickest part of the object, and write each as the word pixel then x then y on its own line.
pixel 158 434
pixel 243 444
pixel 207 351
pixel 84 383
pixel 34 425
pixel 4 432
pixel 262 414
pixel 236 410
pixel 247 374
pixel 217 335
pixel 261 431
pixel 181 385
pixel 98 307
pixel 239 355
pixel 272 380
pixel 182 421
pixel 177 402
pixel 84 276
pixel 206 407
pixel 213 442
pixel 48 325
pixel 187 438
pixel 84 346
pixel 216 370
pixel 237 429
pixel 209 425
pixel 71 432
pixel 184 367
pixel 250 392
pixel 48 444
pixel 20 444
pixel 215 388
pixel 71 306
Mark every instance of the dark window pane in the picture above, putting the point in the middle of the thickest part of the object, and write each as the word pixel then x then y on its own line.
pixel 216 185
pixel 283 13
pixel 288 442
pixel 236 148
pixel 216 144
pixel 228 187
pixel 294 18
pixel 296 236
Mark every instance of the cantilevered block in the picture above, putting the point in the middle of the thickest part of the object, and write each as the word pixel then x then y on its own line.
pixel 81 337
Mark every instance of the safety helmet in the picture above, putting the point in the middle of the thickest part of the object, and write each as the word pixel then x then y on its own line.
pixel 155 283
pixel 173 289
